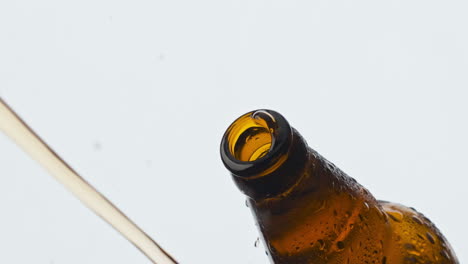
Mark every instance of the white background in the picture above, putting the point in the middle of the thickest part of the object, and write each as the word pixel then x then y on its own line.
pixel 136 95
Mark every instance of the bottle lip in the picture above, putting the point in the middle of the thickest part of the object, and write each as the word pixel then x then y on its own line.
pixel 281 138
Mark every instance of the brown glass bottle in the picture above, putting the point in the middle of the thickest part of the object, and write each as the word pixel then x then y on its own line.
pixel 309 211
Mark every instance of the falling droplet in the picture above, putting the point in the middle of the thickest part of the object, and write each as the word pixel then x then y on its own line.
pixel 257 242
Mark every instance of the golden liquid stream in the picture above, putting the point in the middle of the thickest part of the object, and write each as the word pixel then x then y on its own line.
pixel 18 131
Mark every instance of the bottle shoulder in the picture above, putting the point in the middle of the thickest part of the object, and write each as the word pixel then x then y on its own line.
pixel 414 237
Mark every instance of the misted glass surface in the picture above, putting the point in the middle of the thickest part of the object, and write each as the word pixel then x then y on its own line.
pixel 324 216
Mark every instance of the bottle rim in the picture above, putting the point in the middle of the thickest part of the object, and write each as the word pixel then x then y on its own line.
pixel 256 143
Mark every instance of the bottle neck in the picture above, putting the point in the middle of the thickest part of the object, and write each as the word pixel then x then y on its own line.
pixel 282 178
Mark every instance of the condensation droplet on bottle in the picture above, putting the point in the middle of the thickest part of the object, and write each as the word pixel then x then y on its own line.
pixel 340 245
pixel 366 205
pixel 395 215
pixel 421 237
pixel 257 242
pixel 417 220
pixel 321 244
pixel 321 206
pixel 384 260
pixel 411 249
pixel 361 218
pixel 430 238
pixel 444 254
pixel 365 191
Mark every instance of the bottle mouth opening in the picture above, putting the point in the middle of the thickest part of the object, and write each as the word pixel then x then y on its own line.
pixel 250 137
pixel 255 143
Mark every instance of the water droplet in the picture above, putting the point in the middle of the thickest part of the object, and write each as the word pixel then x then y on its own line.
pixel 366 205
pixel 411 260
pixel 365 191
pixel 409 246
pixel 321 206
pixel 321 244
pixel 417 220
pixel 246 203
pixel 395 215
pixel 411 249
pixel 340 245
pixel 444 254
pixel 384 260
pixel 430 238
pixel 257 242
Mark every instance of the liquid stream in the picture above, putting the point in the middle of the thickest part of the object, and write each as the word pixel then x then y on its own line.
pixel 15 128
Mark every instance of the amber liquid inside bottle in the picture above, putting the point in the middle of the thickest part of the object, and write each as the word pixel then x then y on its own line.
pixel 309 211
